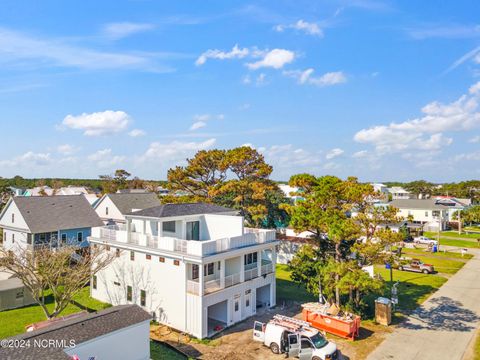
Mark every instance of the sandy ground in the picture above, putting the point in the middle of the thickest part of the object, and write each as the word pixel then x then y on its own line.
pixel 237 342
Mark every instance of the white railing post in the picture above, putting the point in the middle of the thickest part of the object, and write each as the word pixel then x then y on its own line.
pixel 201 280
pixel 242 269
pixel 222 273
pixel 259 262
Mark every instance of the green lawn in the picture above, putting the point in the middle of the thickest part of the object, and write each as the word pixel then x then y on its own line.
pixel 433 235
pixel 441 262
pixel 159 351
pixel 440 254
pixel 476 349
pixel 414 288
pixel 288 290
pixel 13 322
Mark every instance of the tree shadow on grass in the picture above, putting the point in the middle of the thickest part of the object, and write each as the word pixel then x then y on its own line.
pixel 444 314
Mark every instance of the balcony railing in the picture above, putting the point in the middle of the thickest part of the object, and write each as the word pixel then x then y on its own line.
pixel 193 287
pixel 267 269
pixel 251 273
pixel 231 280
pixel 190 247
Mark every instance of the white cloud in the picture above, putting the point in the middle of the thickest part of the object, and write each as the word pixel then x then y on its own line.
pixel 235 53
pixel 284 157
pixel 175 150
pixel 475 139
pixel 327 79
pixel 98 123
pixel 334 153
pixel 30 158
pixel 104 158
pixel 137 133
pixel 123 29
pixel 17 48
pixel 202 117
pixel 445 31
pixel 426 132
pixel 308 28
pixel 276 58
pixel 66 149
pixel 473 156
pixel 472 54
pixel 197 125
pixel 360 154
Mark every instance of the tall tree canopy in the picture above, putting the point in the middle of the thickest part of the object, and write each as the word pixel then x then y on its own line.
pixel 337 213
pixel 237 178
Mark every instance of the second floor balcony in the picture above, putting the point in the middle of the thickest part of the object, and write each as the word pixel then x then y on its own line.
pixel 199 248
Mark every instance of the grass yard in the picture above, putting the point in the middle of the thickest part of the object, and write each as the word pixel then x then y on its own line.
pixel 454 234
pixel 476 349
pixel 13 322
pixel 414 288
pixel 159 351
pixel 443 262
pixel 288 290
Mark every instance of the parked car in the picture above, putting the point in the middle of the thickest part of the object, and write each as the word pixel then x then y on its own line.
pixel 415 265
pixel 294 337
pixel 424 240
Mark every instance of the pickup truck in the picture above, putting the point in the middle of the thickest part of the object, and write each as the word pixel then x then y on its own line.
pixel 415 265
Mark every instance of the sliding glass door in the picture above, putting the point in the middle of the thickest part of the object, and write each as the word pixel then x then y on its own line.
pixel 193 230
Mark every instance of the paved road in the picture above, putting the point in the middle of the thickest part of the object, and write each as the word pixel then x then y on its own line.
pixel 444 325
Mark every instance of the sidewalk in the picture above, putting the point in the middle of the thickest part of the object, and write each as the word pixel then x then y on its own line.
pixel 444 325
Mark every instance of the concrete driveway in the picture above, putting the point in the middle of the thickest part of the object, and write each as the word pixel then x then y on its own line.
pixel 444 325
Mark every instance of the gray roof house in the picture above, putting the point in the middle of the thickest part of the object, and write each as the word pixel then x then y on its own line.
pixel 183 209
pixel 120 332
pixel 112 208
pixel 36 220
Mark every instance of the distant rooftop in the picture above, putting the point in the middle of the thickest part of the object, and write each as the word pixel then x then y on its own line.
pixel 79 329
pixel 126 202
pixel 57 212
pixel 430 204
pixel 182 209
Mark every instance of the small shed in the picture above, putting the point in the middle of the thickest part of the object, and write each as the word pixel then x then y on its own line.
pixel 13 294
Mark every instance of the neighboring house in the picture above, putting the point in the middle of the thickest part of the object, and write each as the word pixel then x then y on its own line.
pixel 47 220
pixel 39 191
pixel 428 212
pixel 288 190
pixel 112 208
pixel 382 189
pixel 132 191
pixel 13 294
pixel 120 332
pixel 66 190
pixel 399 193
pixel 17 191
pixel 193 266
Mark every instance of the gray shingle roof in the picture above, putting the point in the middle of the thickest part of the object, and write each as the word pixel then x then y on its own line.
pixel 59 212
pixel 182 209
pixel 126 202
pixel 428 204
pixel 81 329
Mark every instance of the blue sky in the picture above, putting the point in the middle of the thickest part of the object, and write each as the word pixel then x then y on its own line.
pixel 382 90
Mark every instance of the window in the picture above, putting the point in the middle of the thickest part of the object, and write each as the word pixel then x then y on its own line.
pixel 208 269
pixel 29 238
pixel 148 257
pixel 161 259
pixel 80 236
pixel 176 262
pixel 193 230
pixel 194 271
pixel 19 294
pixel 132 255
pixel 168 226
pixel 117 252
pixel 116 283
pixel 143 297
pixel 236 306
pixel 13 238
pixel 94 282
pixel 64 238
pixel 247 302
pixel 305 344
pixel 13 218
pixel 250 258
pixel 42 237
pixel 129 293
pixel 106 210
pixel 426 213
pixel 219 266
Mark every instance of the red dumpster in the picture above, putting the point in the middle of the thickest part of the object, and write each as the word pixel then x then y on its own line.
pixel 344 326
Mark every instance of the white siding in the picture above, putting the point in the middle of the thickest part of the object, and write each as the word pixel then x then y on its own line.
pixel 221 226
pixel 6 220
pixel 131 343
pixel 113 212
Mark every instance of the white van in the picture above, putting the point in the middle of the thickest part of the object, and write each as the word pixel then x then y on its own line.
pixel 294 337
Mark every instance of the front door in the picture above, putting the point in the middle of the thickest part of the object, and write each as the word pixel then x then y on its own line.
pixel 237 309
pixel 248 304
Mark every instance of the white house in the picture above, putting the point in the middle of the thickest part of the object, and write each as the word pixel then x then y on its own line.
pixel 47 220
pixel 120 332
pixel 194 267
pixel 112 208
pixel 428 212
pixel 399 193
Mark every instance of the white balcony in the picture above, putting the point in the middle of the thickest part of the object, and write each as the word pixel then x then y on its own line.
pixel 189 247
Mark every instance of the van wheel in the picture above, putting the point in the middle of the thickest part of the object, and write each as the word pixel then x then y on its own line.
pixel 400 268
pixel 316 358
pixel 275 348
pixel 425 271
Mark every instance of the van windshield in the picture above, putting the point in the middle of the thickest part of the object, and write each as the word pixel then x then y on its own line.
pixel 318 341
